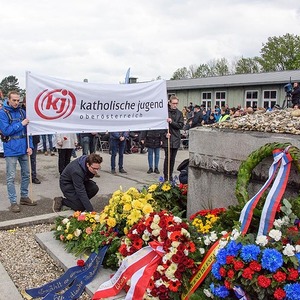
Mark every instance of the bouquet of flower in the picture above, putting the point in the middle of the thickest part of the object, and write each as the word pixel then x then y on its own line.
pixel 178 262
pixel 169 195
pixel 262 267
pixel 83 232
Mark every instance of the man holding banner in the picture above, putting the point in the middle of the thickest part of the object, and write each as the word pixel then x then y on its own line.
pixel 17 147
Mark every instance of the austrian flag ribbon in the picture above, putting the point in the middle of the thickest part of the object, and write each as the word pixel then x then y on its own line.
pixel 138 267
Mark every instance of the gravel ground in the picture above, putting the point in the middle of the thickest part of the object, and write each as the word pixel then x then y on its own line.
pixel 26 263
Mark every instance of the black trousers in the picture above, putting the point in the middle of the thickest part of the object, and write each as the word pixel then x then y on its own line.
pixel 64 158
pixel 173 153
pixel 73 201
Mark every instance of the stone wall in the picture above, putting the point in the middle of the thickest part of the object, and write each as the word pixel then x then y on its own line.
pixel 215 156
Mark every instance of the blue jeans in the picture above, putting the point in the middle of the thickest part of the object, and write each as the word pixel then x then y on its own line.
pixel 11 166
pixel 44 138
pixel 117 147
pixel 155 152
pixel 88 145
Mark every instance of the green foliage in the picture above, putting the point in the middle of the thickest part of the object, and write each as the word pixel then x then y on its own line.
pixel 8 84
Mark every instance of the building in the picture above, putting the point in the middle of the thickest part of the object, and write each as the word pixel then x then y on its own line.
pixel 256 90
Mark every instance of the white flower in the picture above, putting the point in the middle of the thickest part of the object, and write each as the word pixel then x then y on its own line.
pixel 286 220
pixel 208 293
pixel 135 231
pixel 297 248
pixel 145 237
pixel 223 243
pixel 213 236
pixel 97 218
pixel 275 234
pixel 154 226
pixel 278 223
pixel 77 232
pixel 65 220
pixel 156 232
pixel 175 244
pixel 156 219
pixel 170 271
pixel 207 241
pixel 185 232
pixel 235 234
pixel 59 228
pixel 177 220
pixel 202 250
pixel 289 250
pixel 261 240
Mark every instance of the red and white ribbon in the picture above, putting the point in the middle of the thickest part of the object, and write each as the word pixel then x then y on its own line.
pixel 139 267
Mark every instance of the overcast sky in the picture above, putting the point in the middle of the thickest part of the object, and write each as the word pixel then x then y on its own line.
pixel 99 40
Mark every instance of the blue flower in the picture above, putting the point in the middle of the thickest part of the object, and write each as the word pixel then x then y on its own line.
pixel 250 252
pixel 221 256
pixel 220 291
pixel 292 291
pixel 161 179
pixel 216 270
pixel 298 257
pixel 233 248
pixel 271 260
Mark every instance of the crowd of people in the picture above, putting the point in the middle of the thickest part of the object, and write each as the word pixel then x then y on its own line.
pixel 76 176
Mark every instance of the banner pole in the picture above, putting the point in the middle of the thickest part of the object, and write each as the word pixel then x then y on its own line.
pixel 169 153
pixel 29 167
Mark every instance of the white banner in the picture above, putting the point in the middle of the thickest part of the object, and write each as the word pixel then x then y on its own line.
pixel 61 106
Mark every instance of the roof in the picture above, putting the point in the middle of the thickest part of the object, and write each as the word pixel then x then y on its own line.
pixel 281 77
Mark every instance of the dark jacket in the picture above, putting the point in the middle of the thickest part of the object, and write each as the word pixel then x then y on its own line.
pixel 73 178
pixel 174 129
pixel 197 119
pixel 296 96
pixel 152 138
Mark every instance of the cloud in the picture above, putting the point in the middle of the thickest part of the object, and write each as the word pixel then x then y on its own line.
pixel 99 40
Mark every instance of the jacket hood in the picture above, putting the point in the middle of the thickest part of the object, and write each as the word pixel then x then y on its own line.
pixel 82 163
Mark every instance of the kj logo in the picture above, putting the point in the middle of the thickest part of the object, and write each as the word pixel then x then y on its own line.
pixel 55 104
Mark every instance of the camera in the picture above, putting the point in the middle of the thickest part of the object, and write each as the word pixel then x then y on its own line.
pixel 288 89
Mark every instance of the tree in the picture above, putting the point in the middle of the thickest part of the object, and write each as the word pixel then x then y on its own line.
pixel 182 73
pixel 8 84
pixel 281 53
pixel 247 65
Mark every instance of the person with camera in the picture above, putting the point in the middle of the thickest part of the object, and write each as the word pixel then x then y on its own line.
pixel 13 124
pixel 295 94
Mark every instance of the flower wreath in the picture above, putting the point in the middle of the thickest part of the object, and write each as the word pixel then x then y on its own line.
pixel 178 260
pixel 247 166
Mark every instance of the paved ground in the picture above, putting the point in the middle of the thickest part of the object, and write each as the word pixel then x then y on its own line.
pixel 135 164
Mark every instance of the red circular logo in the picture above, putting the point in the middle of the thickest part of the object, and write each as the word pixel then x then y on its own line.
pixel 55 104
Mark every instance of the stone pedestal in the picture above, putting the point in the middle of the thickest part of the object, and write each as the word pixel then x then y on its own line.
pixel 215 156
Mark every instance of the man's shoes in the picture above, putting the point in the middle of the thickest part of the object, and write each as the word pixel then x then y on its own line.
pixel 150 171
pixel 36 181
pixel 57 204
pixel 113 172
pixel 52 153
pixel 27 201
pixel 97 175
pixel 123 171
pixel 156 171
pixel 15 208
pixel 46 153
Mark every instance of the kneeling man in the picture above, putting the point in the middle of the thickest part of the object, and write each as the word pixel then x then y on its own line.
pixel 76 184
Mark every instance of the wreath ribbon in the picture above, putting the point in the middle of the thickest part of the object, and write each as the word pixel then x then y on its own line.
pixel 139 267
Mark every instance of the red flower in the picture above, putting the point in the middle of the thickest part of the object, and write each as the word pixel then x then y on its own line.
pixel 263 281
pixel 238 265
pixel 175 236
pixel 80 263
pixel 279 294
pixel 279 276
pixel 174 285
pixel 222 272
pixel 230 274
pixel 248 273
pixel 227 284
pixel 229 259
pixel 255 266
pixel 292 274
pixel 65 138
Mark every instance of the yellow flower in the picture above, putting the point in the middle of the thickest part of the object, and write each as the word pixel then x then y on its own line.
pixel 136 204
pixel 126 198
pixel 152 188
pixel 147 209
pixel 166 187
pixel 127 207
pixel 69 237
pixel 111 222
pixel 133 217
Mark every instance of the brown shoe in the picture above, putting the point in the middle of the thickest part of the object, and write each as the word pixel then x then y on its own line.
pixel 46 153
pixel 15 208
pixel 27 201
pixel 57 204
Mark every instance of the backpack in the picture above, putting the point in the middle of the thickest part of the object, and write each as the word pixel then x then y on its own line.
pixel 4 138
pixel 183 168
